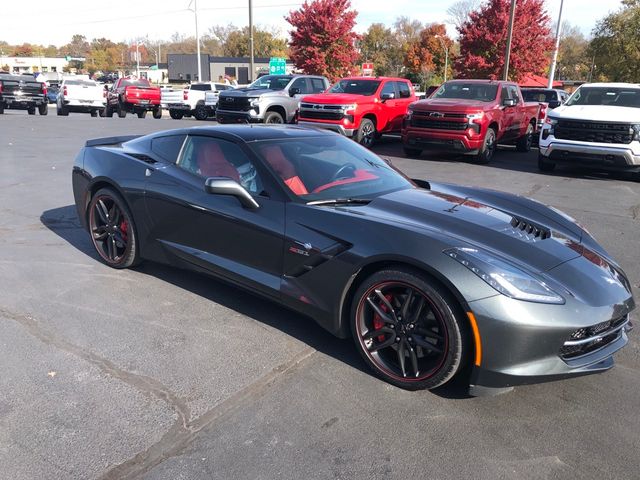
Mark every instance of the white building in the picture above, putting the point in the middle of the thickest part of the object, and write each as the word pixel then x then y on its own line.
pixel 33 64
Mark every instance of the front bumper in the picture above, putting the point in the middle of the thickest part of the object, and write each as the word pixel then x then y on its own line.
pixel 21 102
pixel 425 139
pixel 227 116
pixel 84 104
pixel 334 127
pixel 180 107
pixel 524 343
pixel 558 151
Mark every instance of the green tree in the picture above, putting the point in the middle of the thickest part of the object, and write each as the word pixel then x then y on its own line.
pixel 615 47
pixel 573 58
pixel 380 46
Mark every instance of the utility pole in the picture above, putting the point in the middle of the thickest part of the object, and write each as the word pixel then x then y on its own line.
pixel 137 58
pixel 195 13
pixel 507 52
pixel 552 71
pixel 446 56
pixel 251 68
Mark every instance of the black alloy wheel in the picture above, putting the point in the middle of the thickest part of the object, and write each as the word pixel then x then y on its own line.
pixel 366 135
pixel 112 229
pixel 273 117
pixel 175 114
pixel 200 113
pixel 524 143
pixel 488 147
pixel 408 330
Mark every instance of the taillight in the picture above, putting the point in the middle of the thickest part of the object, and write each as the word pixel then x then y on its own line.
pixel 0 87
pixel 64 91
pixel 44 89
pixel 185 94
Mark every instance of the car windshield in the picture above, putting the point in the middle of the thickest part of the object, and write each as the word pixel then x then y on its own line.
pixel 467 91
pixel 539 95
pixel 271 82
pixel 329 167
pixel 358 87
pixel 618 97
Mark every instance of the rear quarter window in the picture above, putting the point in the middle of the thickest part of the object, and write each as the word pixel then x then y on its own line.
pixel 168 148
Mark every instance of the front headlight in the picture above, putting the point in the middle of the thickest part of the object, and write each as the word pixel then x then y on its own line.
pixel 254 102
pixel 636 130
pixel 504 277
pixel 551 121
pixel 350 108
pixel 474 116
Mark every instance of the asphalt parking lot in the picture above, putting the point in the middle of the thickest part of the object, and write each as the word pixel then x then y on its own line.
pixel 158 373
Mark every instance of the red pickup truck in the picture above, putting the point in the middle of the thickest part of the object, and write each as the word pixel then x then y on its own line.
pixel 363 108
pixel 471 117
pixel 135 95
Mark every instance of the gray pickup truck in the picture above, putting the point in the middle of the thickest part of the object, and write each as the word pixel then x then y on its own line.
pixel 270 99
pixel 23 92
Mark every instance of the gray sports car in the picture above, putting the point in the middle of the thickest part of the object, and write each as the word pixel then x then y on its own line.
pixel 431 280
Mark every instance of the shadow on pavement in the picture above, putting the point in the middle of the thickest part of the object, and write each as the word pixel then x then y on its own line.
pixel 63 222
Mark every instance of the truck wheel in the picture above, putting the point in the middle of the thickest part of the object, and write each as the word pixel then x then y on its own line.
pixel 411 152
pixel 108 111
pixel 200 112
pixel 366 134
pixel 31 110
pixel 175 114
pixel 544 165
pixel 157 113
pixel 94 113
pixel 121 111
pixel 273 117
pixel 524 142
pixel 102 112
pixel 62 111
pixel 43 109
pixel 142 113
pixel 1 108
pixel 488 147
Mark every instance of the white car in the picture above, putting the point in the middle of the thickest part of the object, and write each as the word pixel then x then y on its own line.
pixel 80 95
pixel 191 100
pixel 599 126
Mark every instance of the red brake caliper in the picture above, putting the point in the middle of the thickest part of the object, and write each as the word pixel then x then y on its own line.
pixel 377 321
pixel 123 230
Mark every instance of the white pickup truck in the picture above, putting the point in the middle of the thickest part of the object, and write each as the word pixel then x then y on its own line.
pixel 191 100
pixel 598 126
pixel 80 95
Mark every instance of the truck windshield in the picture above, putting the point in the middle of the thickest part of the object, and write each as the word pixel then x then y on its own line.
pixel 359 87
pixel 617 97
pixel 467 91
pixel 271 82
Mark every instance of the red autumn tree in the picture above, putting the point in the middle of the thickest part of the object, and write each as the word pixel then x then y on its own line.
pixel 427 54
pixel 483 38
pixel 322 39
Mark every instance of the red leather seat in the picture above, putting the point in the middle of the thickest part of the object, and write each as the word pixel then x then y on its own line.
pixel 212 163
pixel 284 168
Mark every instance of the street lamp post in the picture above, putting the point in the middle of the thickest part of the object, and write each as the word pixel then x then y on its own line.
pixel 195 13
pixel 446 55
pixel 509 35
pixel 137 58
pixel 552 70
pixel 251 67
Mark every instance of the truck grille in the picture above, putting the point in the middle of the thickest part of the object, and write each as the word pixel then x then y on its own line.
pixel 599 132
pixel 425 122
pixel 589 339
pixel 316 111
pixel 234 104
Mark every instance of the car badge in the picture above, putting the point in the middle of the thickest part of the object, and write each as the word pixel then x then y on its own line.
pixel 436 114
pixel 317 107
pixel 229 99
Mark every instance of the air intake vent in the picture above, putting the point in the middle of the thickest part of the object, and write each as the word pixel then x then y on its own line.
pixel 529 229
pixel 143 157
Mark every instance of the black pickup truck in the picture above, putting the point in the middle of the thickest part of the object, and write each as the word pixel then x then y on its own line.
pixel 22 92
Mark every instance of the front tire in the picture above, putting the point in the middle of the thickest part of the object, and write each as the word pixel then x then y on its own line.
pixel 524 143
pixel 488 147
pixel 43 109
pixel 273 117
pixel 200 113
pixel 112 230
pixel 409 330
pixel 366 134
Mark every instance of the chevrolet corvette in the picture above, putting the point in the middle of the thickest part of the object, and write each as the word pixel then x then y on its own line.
pixel 431 280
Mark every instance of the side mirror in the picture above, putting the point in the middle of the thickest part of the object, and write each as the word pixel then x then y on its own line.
pixel 294 91
pixel 227 186
pixel 509 102
pixel 554 104
pixel 387 96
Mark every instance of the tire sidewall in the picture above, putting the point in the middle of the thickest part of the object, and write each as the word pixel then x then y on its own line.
pixel 457 331
pixel 272 114
pixel 366 141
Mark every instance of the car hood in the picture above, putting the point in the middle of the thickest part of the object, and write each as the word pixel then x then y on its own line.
pixel 497 222
pixel 451 104
pixel 248 92
pixel 599 113
pixel 337 98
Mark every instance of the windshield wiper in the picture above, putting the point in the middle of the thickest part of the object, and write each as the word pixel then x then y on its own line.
pixel 341 201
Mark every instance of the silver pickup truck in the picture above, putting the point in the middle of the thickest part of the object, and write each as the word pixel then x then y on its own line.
pixel 270 99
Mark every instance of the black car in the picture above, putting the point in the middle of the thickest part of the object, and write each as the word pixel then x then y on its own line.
pixel 23 92
pixel 431 280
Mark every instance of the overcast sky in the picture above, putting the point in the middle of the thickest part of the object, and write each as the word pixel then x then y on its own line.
pixel 54 22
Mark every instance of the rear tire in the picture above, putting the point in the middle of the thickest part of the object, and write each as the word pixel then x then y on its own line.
pixel 421 338
pixel 142 113
pixel 176 115
pixel 544 165
pixel 94 113
pixel 524 143
pixel 200 113
pixel 488 147
pixel 157 113
pixel 366 134
pixel 412 152
pixel 43 109
pixel 121 111
pixel 102 112
pixel 62 111
pixel 108 111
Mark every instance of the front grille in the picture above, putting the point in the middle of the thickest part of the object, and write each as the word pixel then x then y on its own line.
pixel 234 104
pixel 437 124
pixel 318 111
pixel 596 132
pixel 529 229
pixel 589 339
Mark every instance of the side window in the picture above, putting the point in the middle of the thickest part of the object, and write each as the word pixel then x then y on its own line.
pixel 168 148
pixel 403 89
pixel 389 87
pixel 317 85
pixel 300 83
pixel 504 94
pixel 214 157
pixel 513 93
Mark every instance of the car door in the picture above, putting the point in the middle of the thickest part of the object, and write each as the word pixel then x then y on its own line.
pixel 389 107
pixel 403 100
pixel 508 115
pixel 216 232
pixel 520 121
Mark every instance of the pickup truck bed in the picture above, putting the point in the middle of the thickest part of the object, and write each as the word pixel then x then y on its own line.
pixel 79 95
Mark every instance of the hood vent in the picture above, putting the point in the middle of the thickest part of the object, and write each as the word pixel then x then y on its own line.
pixel 528 230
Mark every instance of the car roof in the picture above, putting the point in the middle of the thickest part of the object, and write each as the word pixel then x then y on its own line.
pixel 612 85
pixel 250 132
pixel 375 78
